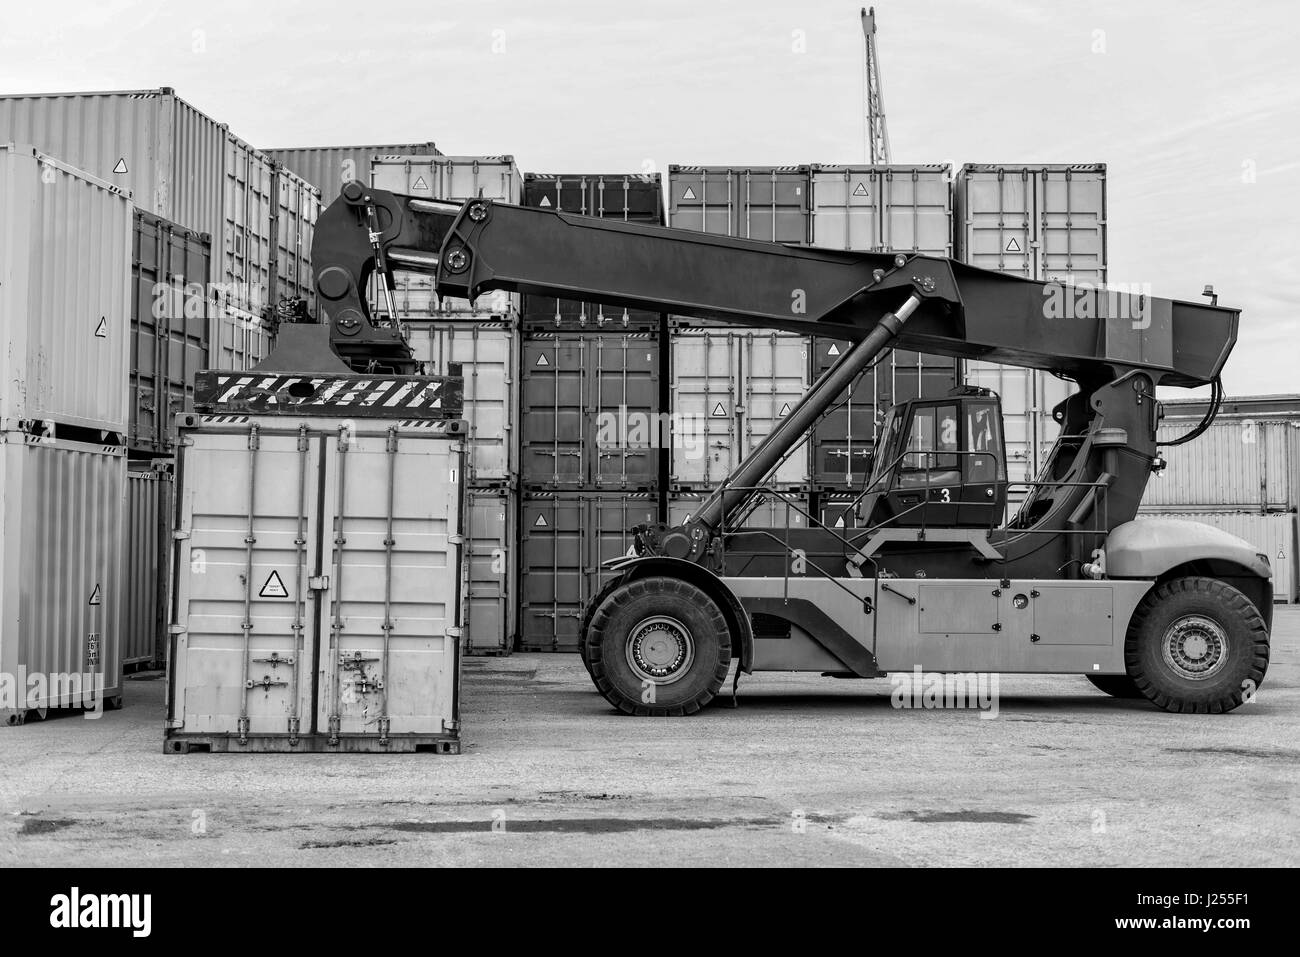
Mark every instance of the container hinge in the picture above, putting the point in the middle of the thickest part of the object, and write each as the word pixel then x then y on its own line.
pixel 180 534
pixel 294 726
pixel 318 583
pixel 456 539
pixel 302 443
pixel 243 730
pixel 253 438
pixel 175 629
pixel 450 725
pixel 335 723
pixel 454 632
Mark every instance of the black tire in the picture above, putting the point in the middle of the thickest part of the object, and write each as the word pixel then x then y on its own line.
pixel 661 633
pixel 1174 624
pixel 1117 686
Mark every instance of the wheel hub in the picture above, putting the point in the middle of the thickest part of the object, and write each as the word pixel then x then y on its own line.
pixel 1195 647
pixel 660 649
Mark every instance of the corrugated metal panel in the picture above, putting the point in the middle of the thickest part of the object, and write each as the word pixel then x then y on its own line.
pixel 454 179
pixel 1042 222
pixel 65 248
pixel 329 167
pixel 61 566
pixel 729 389
pixel 237 340
pixel 150 142
pixel 590 411
pixel 625 197
pixel 148 538
pixel 768 512
pixel 757 202
pixel 566 536
pixel 903 208
pixel 486 354
pixel 249 195
pixel 296 209
pixel 491 587
pixel 170 325
pixel 374 654
pixel 1237 461
pixel 1273 535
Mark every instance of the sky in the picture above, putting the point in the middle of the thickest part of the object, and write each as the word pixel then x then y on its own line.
pixel 1193 106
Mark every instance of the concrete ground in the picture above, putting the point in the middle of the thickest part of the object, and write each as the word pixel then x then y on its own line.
pixel 808 771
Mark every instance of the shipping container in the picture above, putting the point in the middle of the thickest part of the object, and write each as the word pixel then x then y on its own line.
pixel 62 505
pixel 65 294
pixel 491 584
pixel 452 179
pixel 566 536
pixel 296 209
pixel 775 511
pixel 758 202
pixel 730 388
pixel 1238 461
pixel 486 354
pixel 873 208
pixel 170 326
pixel 148 542
pixel 237 340
pixel 590 411
pixel 844 440
pixel 317 576
pixel 329 167
pixel 176 162
pixel 629 198
pixel 1275 535
pixel 168 155
pixel 1042 222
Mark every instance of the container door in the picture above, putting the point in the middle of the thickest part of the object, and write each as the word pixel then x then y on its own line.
pixel 1071 207
pixel 845 209
pixel 484 355
pixel 553 566
pixel 624 411
pixel 390 635
pixel 489 565
pixel 555 421
pixel 775 373
pixel 246 543
pixel 916 210
pixel 999 227
pixel 706 391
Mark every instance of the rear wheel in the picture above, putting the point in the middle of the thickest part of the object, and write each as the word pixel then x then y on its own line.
pixel 658 646
pixel 1117 686
pixel 1196 646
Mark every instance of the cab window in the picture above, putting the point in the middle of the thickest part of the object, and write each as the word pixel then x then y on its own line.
pixel 984 437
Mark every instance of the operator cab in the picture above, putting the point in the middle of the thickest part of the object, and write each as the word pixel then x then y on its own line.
pixel 940 463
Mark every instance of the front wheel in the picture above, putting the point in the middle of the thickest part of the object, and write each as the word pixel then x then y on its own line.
pixel 1196 645
pixel 658 646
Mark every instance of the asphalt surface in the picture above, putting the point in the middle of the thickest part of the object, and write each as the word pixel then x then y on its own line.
pixel 807 771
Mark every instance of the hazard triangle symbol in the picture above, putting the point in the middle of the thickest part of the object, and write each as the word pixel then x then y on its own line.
pixel 274 587
pixel 94 596
pixel 101 330
pixel 860 190
pixel 541 522
pixel 689 194
pixel 834 350
pixel 546 201
pixel 785 410
pixel 839 522
pixel 542 360
pixel 1013 246
pixel 121 166
pixel 420 183
pixel 718 410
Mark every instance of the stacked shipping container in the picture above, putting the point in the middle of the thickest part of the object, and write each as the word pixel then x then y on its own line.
pixel 64 347
pixel 591 392
pixel 480 342
pixel 1044 222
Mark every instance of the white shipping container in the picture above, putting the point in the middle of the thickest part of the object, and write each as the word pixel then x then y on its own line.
pixel 490 586
pixel 297 207
pixel 317 585
pixel 61 574
pixel 1274 535
pixel 453 179
pixel 729 390
pixel 757 202
pixel 1028 398
pixel 872 208
pixel 249 197
pixel 65 293
pixel 486 354
pixel 148 541
pixel 1243 461
pixel 329 167
pixel 237 340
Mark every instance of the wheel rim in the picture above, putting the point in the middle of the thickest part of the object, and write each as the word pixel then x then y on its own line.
pixel 1195 647
pixel 660 649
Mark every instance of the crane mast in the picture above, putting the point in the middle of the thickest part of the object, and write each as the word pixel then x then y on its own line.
pixel 877 133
